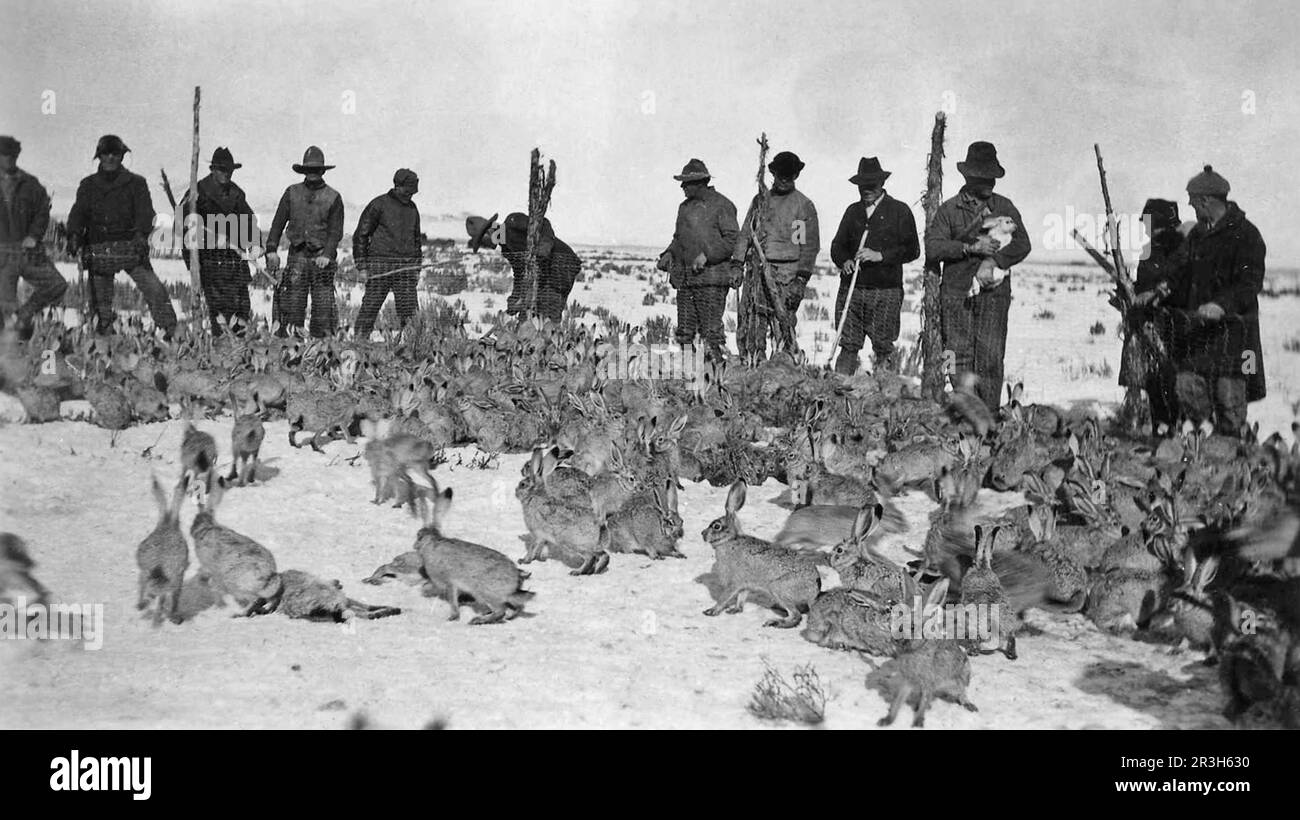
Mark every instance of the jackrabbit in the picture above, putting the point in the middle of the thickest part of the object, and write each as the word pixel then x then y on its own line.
pixel 575 534
pixel 649 524
pixel 234 564
pixel 307 597
pixel 16 579
pixel 924 670
pixel 322 412
pixel 199 455
pixel 844 618
pixel 747 564
pixel 456 567
pixel 245 446
pixel 980 586
pixel 858 564
pixel 409 567
pixel 163 556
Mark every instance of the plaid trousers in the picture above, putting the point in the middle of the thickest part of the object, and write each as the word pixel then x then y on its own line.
pixel 699 312
pixel 873 313
pixel 104 260
pixel 223 274
pixel 380 283
pixel 974 329
pixel 289 305
pixel 48 285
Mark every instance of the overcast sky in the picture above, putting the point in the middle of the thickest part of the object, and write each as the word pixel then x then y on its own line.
pixel 622 94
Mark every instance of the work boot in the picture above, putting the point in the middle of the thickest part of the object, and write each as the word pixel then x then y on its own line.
pixel 847 363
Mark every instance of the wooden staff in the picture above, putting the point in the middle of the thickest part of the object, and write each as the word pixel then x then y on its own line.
pixel 931 338
pixel 540 185
pixel 759 277
pixel 195 290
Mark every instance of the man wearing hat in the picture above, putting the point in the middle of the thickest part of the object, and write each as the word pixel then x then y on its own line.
pixel 311 215
pixel 388 247
pixel 789 234
pixel 1215 286
pixel 227 227
pixel 557 264
pixel 1165 243
pixel 699 260
pixel 876 237
pixel 109 225
pixel 974 328
pixel 24 216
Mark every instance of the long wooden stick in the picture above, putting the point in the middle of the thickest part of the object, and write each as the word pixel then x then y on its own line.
pixel 931 337
pixel 195 292
pixel 1112 230
pixel 759 278
pixel 540 185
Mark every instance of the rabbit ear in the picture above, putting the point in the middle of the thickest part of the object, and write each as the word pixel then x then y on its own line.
pixel 736 497
pixel 910 590
pixel 678 425
pixel 862 522
pixel 537 461
pixel 938 593
pixel 160 497
pixel 1209 569
pixel 988 549
pixel 670 494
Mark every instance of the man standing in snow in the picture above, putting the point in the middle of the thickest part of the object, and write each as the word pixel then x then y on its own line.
pixel 700 259
pixel 974 328
pixel 311 213
pixel 109 226
pixel 24 216
pixel 388 247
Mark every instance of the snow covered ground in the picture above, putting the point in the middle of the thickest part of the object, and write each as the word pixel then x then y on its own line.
pixel 629 648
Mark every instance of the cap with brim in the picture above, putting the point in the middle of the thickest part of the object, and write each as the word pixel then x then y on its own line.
pixel 10 147
pixel 786 164
pixel 110 144
pixel 477 227
pixel 405 176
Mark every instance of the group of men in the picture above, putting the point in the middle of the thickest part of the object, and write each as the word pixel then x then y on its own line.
pixel 112 219
pixel 877 235
pixel 1198 284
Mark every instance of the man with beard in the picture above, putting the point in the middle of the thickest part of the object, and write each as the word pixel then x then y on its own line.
pixel 109 226
pixel 387 245
pixel 876 237
pixel 226 227
pixel 974 328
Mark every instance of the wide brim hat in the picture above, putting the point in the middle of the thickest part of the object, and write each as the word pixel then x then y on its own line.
pixel 313 162
pixel 693 171
pixel 870 172
pixel 224 160
pixel 477 227
pixel 981 162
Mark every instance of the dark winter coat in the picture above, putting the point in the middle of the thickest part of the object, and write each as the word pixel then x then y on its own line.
pixel 891 230
pixel 557 264
pixel 216 200
pixel 1223 264
pixel 957 222
pixel 389 228
pixel 706 223
pixel 110 208
pixel 27 213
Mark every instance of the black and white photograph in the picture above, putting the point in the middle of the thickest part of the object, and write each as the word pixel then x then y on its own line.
pixel 580 364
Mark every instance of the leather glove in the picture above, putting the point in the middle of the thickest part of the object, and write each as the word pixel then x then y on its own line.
pixel 984 246
pixel 665 260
